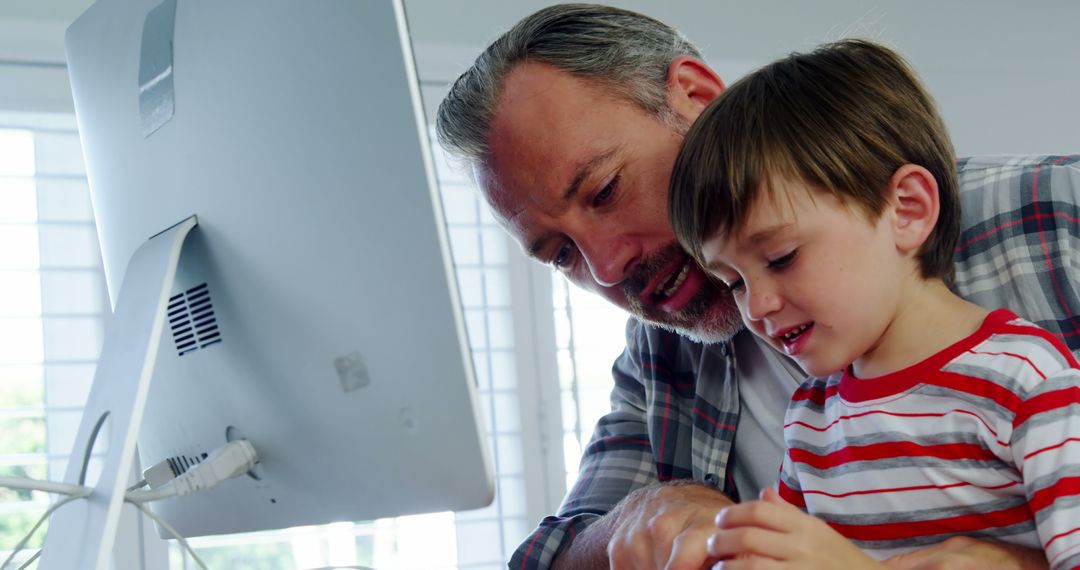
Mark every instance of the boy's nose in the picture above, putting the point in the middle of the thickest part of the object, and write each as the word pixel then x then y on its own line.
pixel 761 302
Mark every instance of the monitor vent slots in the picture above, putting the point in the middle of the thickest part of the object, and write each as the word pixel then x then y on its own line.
pixel 191 318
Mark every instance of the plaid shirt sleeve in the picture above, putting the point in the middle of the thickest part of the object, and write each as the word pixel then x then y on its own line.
pixel 617 460
pixel 1020 243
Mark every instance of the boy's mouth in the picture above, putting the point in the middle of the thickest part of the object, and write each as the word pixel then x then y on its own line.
pixel 793 339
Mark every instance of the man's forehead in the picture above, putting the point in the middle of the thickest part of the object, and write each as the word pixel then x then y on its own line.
pixel 507 208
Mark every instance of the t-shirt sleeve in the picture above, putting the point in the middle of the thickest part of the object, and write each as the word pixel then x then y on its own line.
pixel 1045 444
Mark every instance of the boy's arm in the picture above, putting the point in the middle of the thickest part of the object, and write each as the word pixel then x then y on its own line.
pixel 1045 444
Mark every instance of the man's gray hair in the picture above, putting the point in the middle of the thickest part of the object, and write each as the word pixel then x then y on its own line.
pixel 621 50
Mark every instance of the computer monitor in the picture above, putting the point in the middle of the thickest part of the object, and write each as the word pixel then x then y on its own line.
pixel 314 310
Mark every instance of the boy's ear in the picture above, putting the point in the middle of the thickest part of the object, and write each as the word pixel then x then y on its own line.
pixel 692 85
pixel 913 192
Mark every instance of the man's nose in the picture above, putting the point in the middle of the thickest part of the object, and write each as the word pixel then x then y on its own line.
pixel 762 300
pixel 610 259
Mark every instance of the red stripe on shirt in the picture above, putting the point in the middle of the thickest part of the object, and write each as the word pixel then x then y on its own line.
pixel 1064 487
pixel 898 415
pixel 1013 355
pixel 957 524
pixel 1047 402
pixel 791 495
pixel 905 489
pixel 886 450
pixel 1057 536
pixel 1050 447
pixel 815 394
pixel 1052 338
pixel 976 387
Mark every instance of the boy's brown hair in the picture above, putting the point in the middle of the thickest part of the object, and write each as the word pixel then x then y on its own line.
pixel 842 118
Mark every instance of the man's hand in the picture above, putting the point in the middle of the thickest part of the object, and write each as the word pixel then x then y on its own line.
pixel 771 533
pixel 665 527
pixel 963 553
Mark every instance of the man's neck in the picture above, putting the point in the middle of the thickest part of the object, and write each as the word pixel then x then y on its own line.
pixel 929 319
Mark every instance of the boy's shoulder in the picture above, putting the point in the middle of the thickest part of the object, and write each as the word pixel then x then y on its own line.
pixel 1014 351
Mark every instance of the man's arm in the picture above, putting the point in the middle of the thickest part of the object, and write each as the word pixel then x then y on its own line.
pixel 664 525
pixel 617 461
pixel 618 498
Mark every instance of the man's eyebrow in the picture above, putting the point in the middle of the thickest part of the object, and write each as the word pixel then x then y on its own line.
pixel 537 246
pixel 580 175
pixel 584 171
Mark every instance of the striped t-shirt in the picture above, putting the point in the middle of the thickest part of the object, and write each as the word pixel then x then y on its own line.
pixel 981 439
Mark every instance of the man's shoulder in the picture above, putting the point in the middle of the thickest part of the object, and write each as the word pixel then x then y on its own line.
pixel 976 169
pixel 1006 181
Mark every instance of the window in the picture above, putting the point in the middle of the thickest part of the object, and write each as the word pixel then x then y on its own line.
pixel 589 335
pixel 52 307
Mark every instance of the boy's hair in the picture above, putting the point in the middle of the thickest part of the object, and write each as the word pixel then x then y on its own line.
pixel 842 118
pixel 626 52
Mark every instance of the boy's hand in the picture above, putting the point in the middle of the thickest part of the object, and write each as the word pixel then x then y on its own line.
pixel 771 533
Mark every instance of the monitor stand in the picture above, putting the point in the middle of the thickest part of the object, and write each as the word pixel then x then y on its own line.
pixel 81 534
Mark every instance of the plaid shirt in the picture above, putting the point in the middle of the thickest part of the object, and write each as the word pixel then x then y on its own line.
pixel 1019 249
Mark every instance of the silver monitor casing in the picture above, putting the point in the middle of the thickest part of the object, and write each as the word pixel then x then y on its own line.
pixel 298 140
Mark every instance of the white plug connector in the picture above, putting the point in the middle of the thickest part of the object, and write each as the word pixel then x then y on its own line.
pixel 228 462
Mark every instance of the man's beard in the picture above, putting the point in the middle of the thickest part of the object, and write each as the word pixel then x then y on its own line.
pixel 710 316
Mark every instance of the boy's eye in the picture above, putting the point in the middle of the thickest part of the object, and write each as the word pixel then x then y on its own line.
pixel 784 260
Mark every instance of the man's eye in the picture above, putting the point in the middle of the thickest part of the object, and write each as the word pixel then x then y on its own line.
pixel 564 256
pixel 605 194
pixel 736 286
pixel 784 260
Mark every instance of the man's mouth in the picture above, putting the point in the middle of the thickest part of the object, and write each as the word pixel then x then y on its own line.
pixel 671 284
pixel 672 290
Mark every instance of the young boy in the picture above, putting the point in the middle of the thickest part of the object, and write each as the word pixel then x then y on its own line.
pixel 822 190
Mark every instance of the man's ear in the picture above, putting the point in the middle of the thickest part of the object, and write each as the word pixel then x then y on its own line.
pixel 692 85
pixel 913 192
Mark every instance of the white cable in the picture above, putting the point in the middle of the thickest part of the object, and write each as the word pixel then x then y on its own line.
pixel 44 517
pixel 46 486
pixel 27 564
pixel 173 532
pixel 232 460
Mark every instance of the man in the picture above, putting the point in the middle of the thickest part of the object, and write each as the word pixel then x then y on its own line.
pixel 572 121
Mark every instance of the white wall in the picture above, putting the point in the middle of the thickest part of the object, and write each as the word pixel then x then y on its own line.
pixel 1004 73
pixel 32 72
